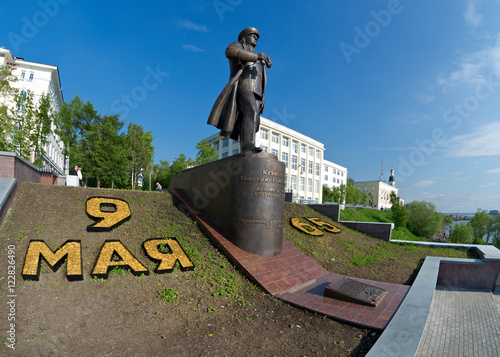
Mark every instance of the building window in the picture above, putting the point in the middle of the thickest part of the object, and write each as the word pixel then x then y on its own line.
pixel 264 134
pixel 311 151
pixel 23 74
pixel 316 186
pixel 274 138
pixel 225 143
pixel 294 162
pixel 326 177
pixel 310 167
pixel 342 174
pixel 293 182
pixel 217 145
pixel 303 148
pixel 309 185
pixel 317 154
pixel 317 169
pixel 236 151
pixel 295 145
pixel 284 141
pixel 224 155
pixel 284 158
pixel 31 77
pixel 264 148
pixel 302 165
pixel 274 152
pixel 301 186
pixel 326 168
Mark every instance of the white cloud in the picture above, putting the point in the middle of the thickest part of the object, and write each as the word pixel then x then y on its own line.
pixel 471 16
pixel 192 48
pixel 488 184
pixel 424 98
pixel 188 25
pixel 476 67
pixel 424 183
pixel 484 142
pixel 494 171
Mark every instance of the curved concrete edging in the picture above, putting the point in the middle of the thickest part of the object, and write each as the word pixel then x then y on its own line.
pixel 7 186
pixel 403 333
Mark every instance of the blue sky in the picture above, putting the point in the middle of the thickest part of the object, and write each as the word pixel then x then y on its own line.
pixel 413 83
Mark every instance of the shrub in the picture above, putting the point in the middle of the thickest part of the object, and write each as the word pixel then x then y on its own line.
pixel 423 220
pixel 462 233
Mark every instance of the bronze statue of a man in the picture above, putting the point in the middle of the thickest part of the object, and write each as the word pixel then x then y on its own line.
pixel 237 109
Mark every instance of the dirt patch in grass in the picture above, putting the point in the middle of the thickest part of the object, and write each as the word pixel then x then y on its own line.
pixel 212 310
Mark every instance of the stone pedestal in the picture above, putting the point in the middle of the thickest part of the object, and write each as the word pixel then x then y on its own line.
pixel 243 195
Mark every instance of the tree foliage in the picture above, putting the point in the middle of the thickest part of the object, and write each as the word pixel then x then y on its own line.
pixel 423 220
pixel 206 152
pixel 462 233
pixel 481 223
pixel 140 150
pixel 494 231
pixel 108 156
pixel 399 213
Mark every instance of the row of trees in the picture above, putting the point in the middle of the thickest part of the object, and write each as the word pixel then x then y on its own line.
pixel 163 172
pixel 24 126
pixel 113 158
pixel 482 225
pixel 345 194
pixel 109 157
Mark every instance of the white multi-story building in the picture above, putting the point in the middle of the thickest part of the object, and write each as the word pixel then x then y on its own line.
pixel 334 175
pixel 379 192
pixel 306 168
pixel 41 79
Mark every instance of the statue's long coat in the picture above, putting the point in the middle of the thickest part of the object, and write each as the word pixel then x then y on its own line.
pixel 224 114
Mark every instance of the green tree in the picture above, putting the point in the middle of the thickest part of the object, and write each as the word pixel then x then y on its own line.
pixel 6 122
pixel 462 233
pixel 24 119
pixel 140 150
pixel 206 152
pixel 105 154
pixel 423 220
pixel 355 196
pixel 161 174
pixel 481 224
pixel 494 231
pixel 328 195
pixel 398 210
pixel 178 165
pixel 73 121
pixel 42 127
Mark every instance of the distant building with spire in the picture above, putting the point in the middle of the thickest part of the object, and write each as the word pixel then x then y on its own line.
pixel 379 192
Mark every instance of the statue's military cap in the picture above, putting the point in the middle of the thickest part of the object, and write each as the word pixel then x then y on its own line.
pixel 248 31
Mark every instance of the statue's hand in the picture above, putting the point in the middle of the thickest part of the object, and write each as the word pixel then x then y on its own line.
pixel 265 58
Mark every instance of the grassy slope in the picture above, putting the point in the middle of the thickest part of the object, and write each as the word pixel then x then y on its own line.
pixel 369 215
pixel 215 309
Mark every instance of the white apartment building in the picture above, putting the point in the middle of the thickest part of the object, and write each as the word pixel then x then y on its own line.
pixel 306 168
pixel 334 175
pixel 40 79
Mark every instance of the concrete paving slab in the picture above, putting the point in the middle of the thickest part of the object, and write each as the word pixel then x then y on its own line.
pixel 461 323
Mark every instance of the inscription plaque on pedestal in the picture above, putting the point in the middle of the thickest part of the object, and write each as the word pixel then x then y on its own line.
pixel 244 197
pixel 355 291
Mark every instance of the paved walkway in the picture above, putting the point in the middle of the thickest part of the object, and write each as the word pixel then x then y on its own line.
pixel 461 323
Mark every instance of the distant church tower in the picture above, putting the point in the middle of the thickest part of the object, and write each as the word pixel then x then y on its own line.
pixel 392 180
